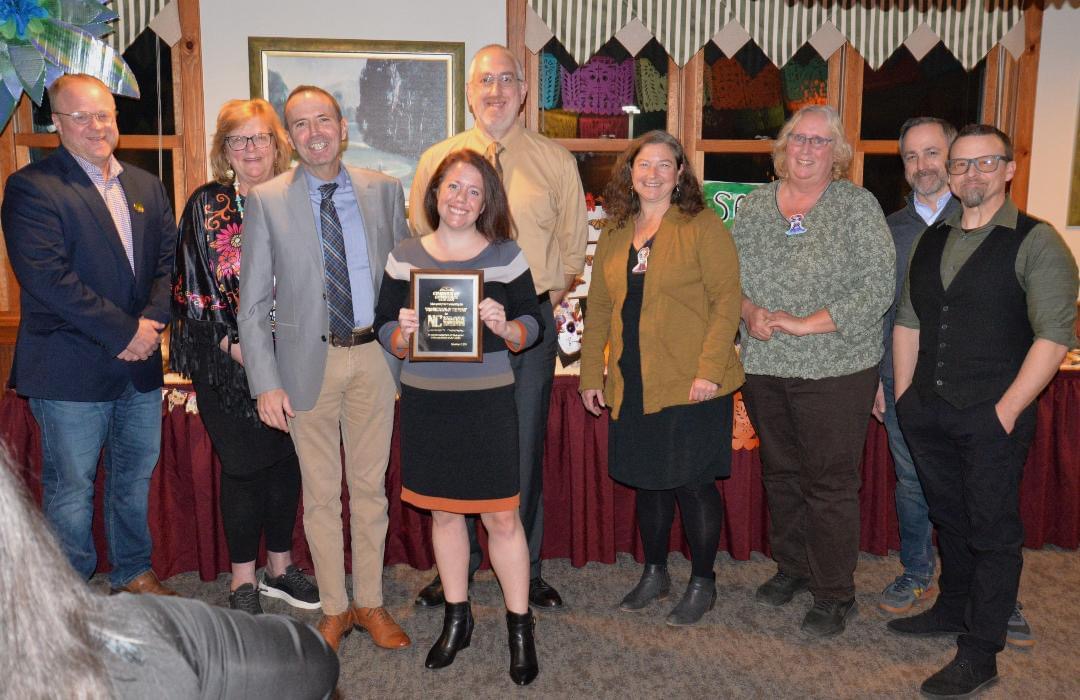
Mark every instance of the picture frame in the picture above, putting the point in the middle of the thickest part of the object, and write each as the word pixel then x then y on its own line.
pixel 447 304
pixel 399 97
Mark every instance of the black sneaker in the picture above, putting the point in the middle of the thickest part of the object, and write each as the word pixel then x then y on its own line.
pixel 292 587
pixel 828 617
pixel 961 678
pixel 780 589
pixel 246 598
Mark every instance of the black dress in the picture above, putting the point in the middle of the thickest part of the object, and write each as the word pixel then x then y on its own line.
pixel 676 446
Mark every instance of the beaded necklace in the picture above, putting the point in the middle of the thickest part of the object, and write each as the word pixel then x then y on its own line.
pixel 239 199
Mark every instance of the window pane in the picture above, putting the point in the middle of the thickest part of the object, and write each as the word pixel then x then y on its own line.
pixel 136 116
pixel 884 177
pixel 739 167
pixel 588 101
pixel 148 160
pixel 748 97
pixel 937 86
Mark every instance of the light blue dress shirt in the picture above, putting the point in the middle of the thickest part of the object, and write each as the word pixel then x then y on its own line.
pixel 924 211
pixel 356 252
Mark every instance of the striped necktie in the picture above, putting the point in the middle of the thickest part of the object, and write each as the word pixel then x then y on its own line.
pixel 338 291
pixel 492 153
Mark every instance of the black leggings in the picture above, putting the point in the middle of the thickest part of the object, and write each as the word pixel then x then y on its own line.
pixel 702 515
pixel 264 500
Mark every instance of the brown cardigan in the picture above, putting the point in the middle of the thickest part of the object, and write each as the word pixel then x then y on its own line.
pixel 689 314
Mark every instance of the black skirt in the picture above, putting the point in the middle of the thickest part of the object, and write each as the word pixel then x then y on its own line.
pixel 676 446
pixel 459 449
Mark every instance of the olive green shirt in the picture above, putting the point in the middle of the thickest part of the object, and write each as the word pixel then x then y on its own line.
pixel 1045 269
pixel 845 262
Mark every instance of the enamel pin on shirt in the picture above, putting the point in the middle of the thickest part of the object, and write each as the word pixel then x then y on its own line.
pixel 796 221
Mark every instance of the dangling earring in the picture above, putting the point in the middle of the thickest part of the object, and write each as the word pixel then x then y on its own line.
pixel 230 174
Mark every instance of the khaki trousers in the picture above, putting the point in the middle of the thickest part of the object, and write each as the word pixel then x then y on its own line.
pixel 357 397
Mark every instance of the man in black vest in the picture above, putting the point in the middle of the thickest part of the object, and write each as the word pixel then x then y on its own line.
pixel 984 321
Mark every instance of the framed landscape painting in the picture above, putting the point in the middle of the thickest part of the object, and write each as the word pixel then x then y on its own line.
pixel 398 97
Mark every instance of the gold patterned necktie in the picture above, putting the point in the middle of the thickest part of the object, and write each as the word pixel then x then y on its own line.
pixel 494 150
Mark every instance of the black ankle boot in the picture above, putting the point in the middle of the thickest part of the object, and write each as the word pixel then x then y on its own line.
pixel 523 664
pixel 655 584
pixel 456 635
pixel 700 597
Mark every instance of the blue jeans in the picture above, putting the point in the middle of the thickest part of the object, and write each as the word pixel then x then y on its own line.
pixel 72 435
pixel 912 513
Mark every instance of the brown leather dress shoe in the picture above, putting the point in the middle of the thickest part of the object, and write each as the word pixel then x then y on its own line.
pixel 383 630
pixel 145 583
pixel 334 628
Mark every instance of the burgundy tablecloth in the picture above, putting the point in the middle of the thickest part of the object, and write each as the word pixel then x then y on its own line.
pixel 588 517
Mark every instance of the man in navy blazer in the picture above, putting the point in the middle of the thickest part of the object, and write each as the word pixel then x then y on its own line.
pixel 91 242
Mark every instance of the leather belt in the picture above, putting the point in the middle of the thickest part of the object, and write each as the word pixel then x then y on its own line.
pixel 359 336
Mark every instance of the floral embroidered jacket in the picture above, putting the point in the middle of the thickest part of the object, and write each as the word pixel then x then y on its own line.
pixel 205 294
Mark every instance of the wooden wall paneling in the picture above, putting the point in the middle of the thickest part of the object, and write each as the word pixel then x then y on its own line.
pixel 9 290
pixel 851 106
pixel 1024 108
pixel 684 116
pixel 992 82
pixel 516 11
pixel 193 130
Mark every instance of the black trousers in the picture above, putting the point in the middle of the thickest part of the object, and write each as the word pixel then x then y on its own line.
pixel 812 433
pixel 970 471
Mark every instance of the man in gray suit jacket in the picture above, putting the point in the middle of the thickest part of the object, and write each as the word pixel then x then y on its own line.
pixel 316 241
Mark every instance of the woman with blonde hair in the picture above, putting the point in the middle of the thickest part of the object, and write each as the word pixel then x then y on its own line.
pixel 817 265
pixel 260 474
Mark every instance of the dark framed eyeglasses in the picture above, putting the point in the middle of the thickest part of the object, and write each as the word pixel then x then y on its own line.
pixel 239 143
pixel 984 164
pixel 84 118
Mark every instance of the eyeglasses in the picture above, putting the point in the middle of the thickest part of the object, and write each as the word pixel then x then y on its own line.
pixel 84 118
pixel 239 143
pixel 984 164
pixel 504 79
pixel 815 141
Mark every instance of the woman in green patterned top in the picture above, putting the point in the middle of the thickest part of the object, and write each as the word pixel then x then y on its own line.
pixel 817 267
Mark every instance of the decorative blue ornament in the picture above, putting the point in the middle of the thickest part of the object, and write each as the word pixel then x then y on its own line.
pixel 21 12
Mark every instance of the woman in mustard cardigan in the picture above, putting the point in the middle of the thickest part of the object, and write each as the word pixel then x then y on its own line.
pixel 665 296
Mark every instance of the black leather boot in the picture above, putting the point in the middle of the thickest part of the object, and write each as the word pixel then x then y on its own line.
pixel 523 664
pixel 655 584
pixel 700 597
pixel 456 635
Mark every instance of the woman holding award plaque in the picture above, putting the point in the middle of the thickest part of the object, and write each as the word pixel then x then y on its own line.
pixel 455 330
pixel 664 297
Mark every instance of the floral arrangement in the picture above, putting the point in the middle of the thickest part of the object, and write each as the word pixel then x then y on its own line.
pixel 40 40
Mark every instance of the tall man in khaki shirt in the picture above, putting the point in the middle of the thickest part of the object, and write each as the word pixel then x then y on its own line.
pixel 985 318
pixel 548 207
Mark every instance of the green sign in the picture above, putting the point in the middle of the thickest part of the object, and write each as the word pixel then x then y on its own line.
pixel 725 197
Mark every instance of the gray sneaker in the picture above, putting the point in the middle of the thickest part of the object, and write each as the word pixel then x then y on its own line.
pixel 905 590
pixel 1018 632
pixel 246 598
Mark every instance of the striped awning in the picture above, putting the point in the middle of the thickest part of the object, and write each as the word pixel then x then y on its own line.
pixel 968 28
pixel 135 16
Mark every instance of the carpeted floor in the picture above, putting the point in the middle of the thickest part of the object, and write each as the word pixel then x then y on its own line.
pixel 739 650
